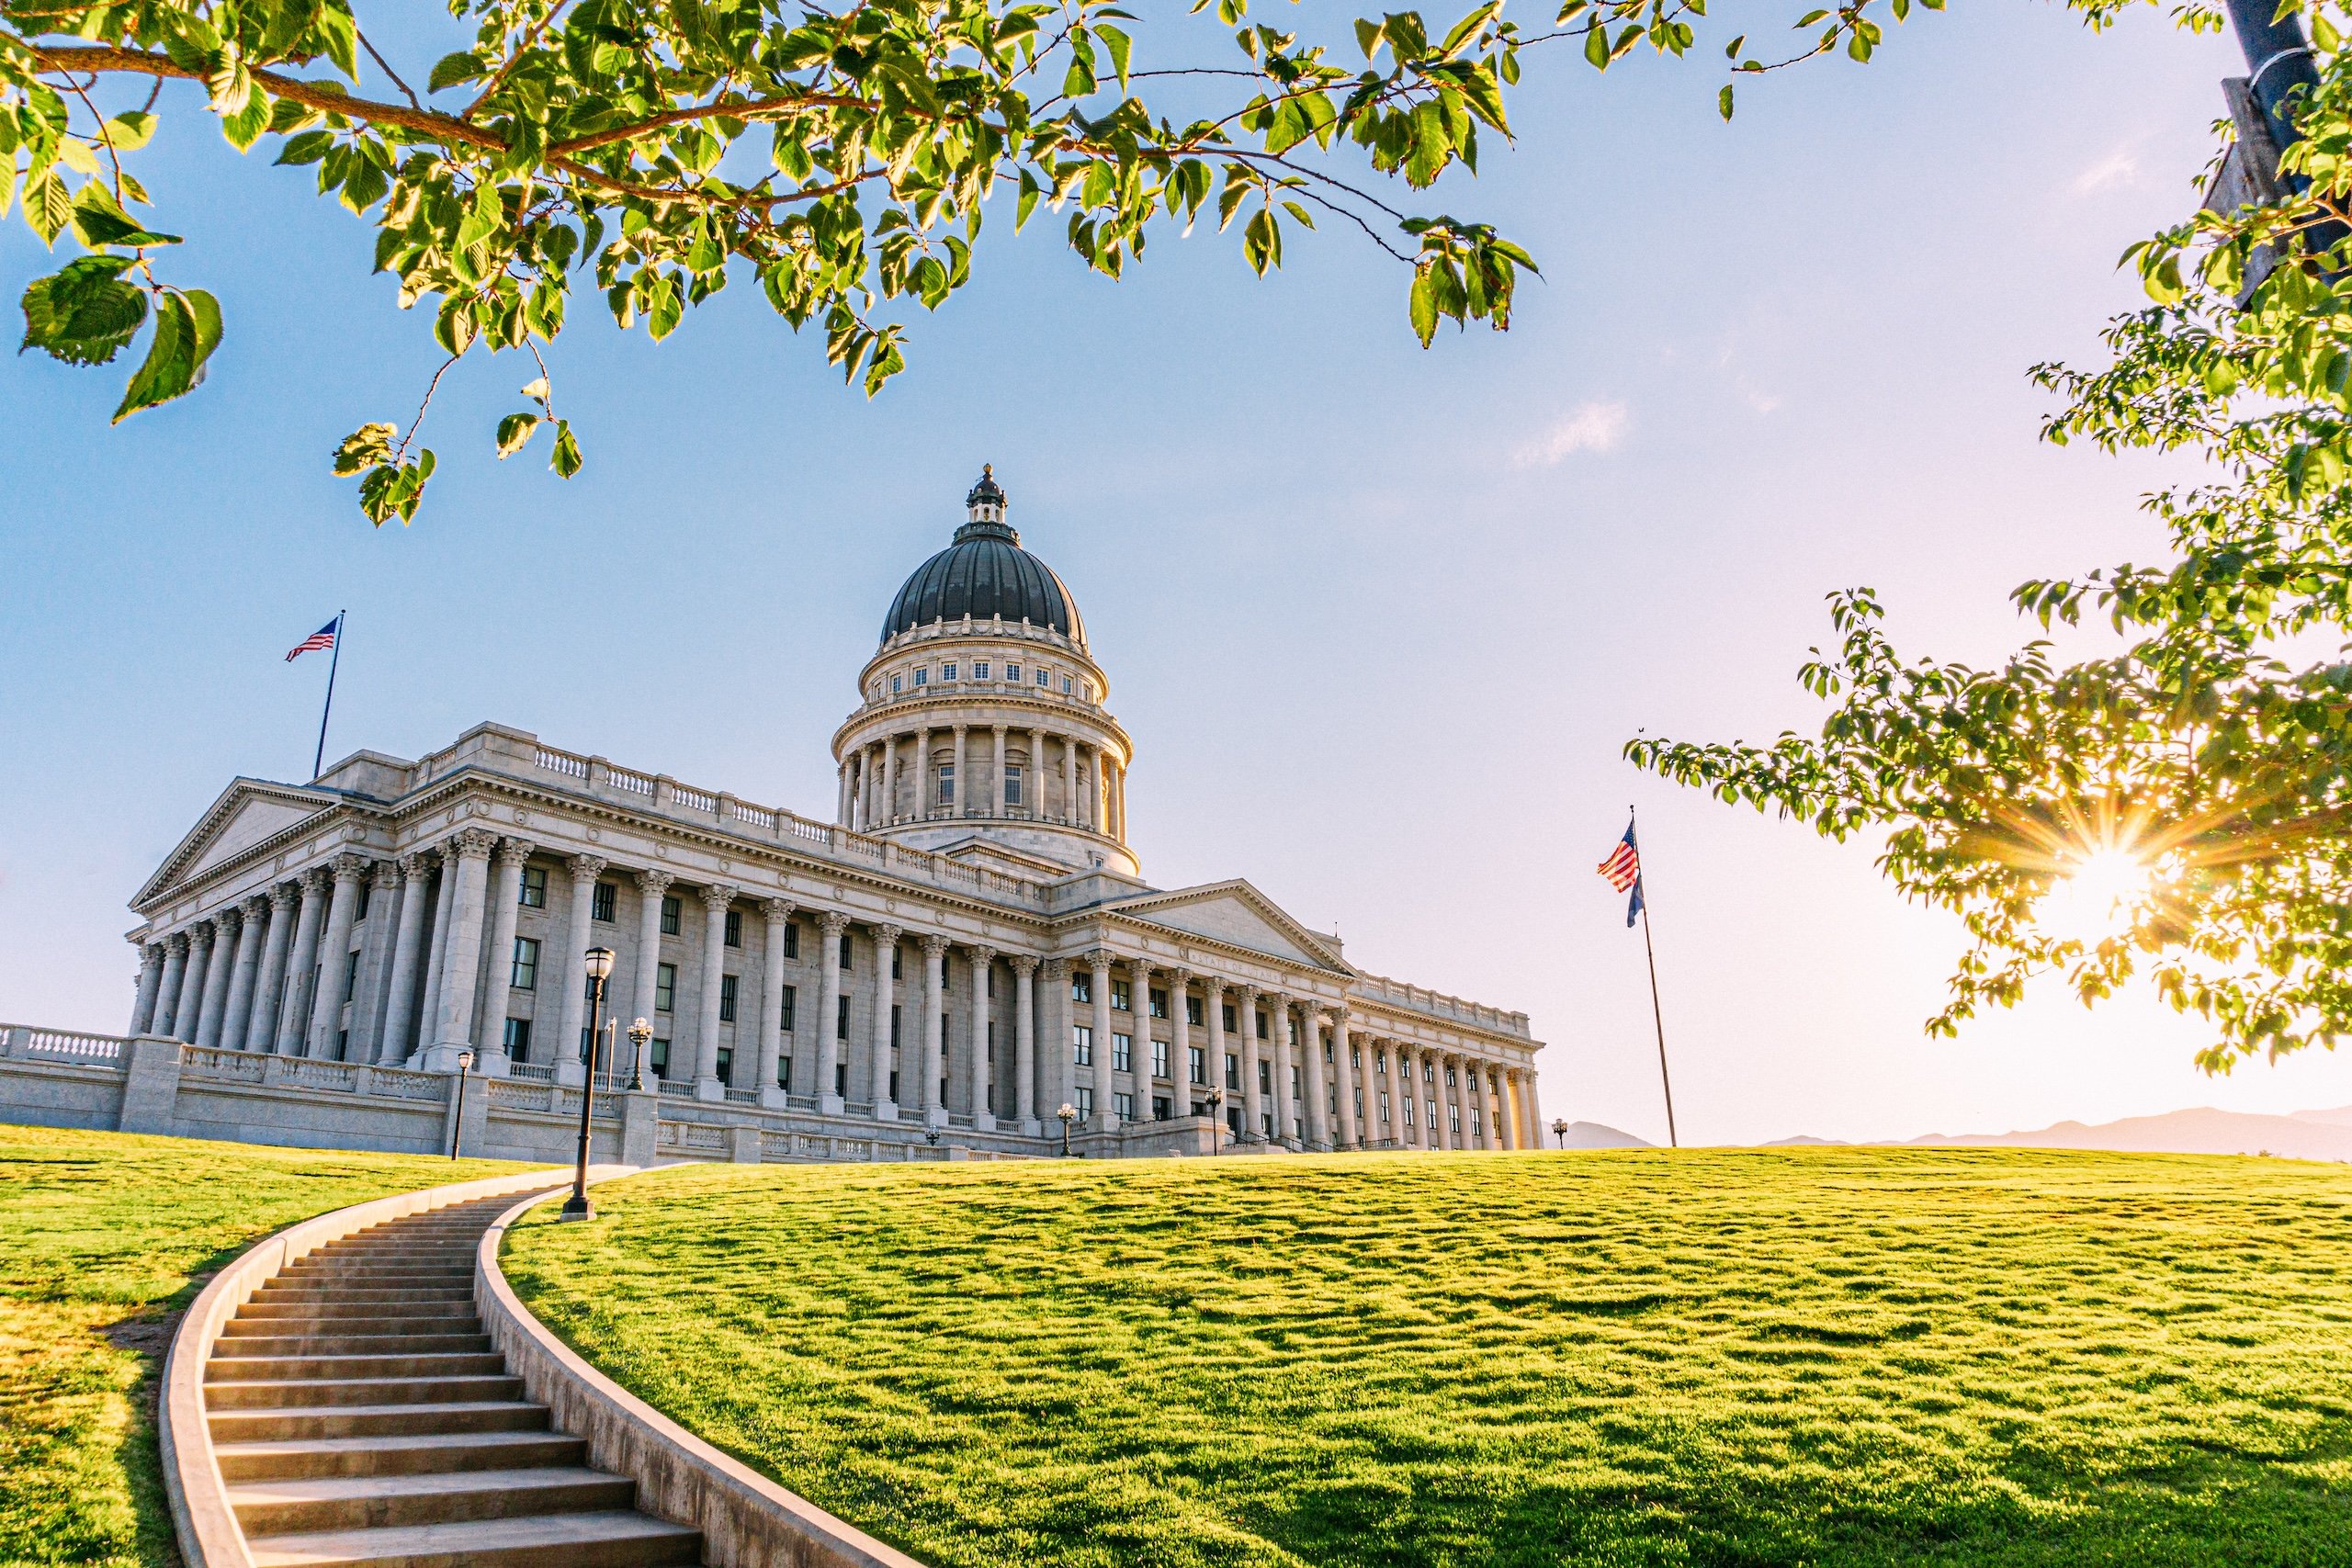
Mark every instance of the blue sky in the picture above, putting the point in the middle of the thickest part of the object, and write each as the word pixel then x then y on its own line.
pixel 1379 619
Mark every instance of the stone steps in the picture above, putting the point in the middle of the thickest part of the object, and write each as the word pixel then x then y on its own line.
pixel 361 1419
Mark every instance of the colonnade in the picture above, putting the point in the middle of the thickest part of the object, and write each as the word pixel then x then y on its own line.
pixel 880 786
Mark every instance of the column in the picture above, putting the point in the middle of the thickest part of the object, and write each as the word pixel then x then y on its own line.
pixel 1346 1133
pixel 1289 1121
pixel 889 783
pixel 408 958
pixel 384 883
pixel 886 998
pixel 924 790
pixel 151 980
pixel 830 926
pixel 461 959
pixel 1253 1102
pixel 1180 1045
pixel 167 985
pixel 1213 1053
pixel 1070 780
pixel 498 966
pixel 1026 1076
pixel 327 998
pixel 1507 1115
pixel 1318 1096
pixel 992 802
pixel 1033 786
pixel 1401 1071
pixel 934 957
pixel 437 965
pixel 1453 1124
pixel 650 886
pixel 243 985
pixel 200 963
pixel 1119 800
pixel 1139 1046
pixel 778 912
pixel 294 1004
pixel 715 900
pixel 269 987
pixel 1533 1111
pixel 570 970
pixel 216 979
pixel 964 797
pixel 842 793
pixel 983 965
pixel 1099 1075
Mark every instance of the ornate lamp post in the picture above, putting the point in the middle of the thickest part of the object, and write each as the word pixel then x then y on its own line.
pixel 640 1034
pixel 1216 1114
pixel 1560 1130
pixel 1068 1113
pixel 599 962
pixel 457 1127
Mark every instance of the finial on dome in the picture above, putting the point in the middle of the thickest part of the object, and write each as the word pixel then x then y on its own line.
pixel 985 505
pixel 987 492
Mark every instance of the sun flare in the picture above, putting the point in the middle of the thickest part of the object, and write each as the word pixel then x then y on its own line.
pixel 2099 896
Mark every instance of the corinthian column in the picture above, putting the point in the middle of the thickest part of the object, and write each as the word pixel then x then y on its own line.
pixel 1099 1073
pixel 1212 1051
pixel 216 983
pixel 461 962
pixel 1026 1076
pixel 199 966
pixel 1404 1130
pixel 498 963
pixel 570 970
pixel 1318 1098
pixel 778 913
pixel 993 800
pixel 885 1037
pixel 301 964
pixel 1069 781
pixel 269 988
pixel 962 776
pixel 889 783
pixel 1180 1046
pixel 151 980
pixel 250 927
pixel 934 1102
pixel 830 926
pixel 326 1004
pixel 1346 1133
pixel 714 969
pixel 983 965
pixel 650 886
pixel 1254 1105
pixel 1140 1039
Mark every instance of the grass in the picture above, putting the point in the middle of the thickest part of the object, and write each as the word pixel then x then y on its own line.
pixel 1852 1357
pixel 103 1239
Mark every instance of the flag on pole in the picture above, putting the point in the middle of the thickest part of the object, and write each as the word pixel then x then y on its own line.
pixel 1623 870
pixel 318 640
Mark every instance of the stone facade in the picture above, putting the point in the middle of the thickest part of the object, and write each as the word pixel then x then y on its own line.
pixel 967 949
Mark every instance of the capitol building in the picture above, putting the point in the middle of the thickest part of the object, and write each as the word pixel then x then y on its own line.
pixel 970 945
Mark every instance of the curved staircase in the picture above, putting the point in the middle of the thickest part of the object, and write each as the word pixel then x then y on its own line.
pixel 360 1416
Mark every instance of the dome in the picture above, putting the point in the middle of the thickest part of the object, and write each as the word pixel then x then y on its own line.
pixel 985 573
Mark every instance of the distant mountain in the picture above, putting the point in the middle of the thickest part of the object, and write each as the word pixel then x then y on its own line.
pixel 2308 1134
pixel 1593 1135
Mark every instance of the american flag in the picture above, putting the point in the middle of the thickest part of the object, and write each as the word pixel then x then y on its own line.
pixel 1623 870
pixel 317 641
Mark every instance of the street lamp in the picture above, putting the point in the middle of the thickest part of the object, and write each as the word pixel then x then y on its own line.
pixel 640 1033
pixel 457 1127
pixel 1560 1130
pixel 599 964
pixel 930 1137
pixel 1068 1113
pixel 1216 1114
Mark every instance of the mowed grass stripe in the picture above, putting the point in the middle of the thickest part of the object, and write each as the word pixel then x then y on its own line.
pixel 1772 1356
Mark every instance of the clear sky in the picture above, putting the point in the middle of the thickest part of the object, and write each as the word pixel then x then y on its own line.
pixel 1378 619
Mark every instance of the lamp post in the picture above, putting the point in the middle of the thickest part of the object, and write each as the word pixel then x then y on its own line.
pixel 458 1127
pixel 1216 1115
pixel 599 963
pixel 1068 1113
pixel 1560 1130
pixel 639 1034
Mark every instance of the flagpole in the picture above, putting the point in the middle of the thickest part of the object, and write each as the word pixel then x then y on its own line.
pixel 319 763
pixel 1657 1015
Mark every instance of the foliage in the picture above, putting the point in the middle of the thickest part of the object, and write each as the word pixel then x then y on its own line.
pixel 1841 1356
pixel 2214 747
pixel 103 1239
pixel 842 159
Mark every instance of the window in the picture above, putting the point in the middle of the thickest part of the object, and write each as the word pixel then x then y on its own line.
pixel 657 1056
pixel 1449 1077
pixel 1085 1101
pixel 895 687
pixel 896 968
pixel 841 1079
pixel 526 965
pixel 1328 1052
pixel 726 1065
pixel 1429 1072
pixel 1261 1026
pixel 1082 1045
pixel 844 950
pixel 600 902
pixel 948 671
pixel 791 939
pixel 1122 1053
pixel 1066 687
pixel 1384 1107
pixel 1453 1121
pixel 1297 1086
pixel 1477 1125
pixel 946 783
pixel 734 930
pixel 518 1039
pixel 665 988
pixel 894 1083
pixel 1265 1077
pixel 1196 1066
pixel 1012 672
pixel 1159 1108
pixel 923 677
pixel 1355 1056
pixel 350 974
pixel 841 1020
pixel 784 1019
pixel 1126 1104
pixel 894 1026
pixel 1121 997
pixel 1408 1110
pixel 1081 986
pixel 343 1036
pixel 1086 690
pixel 979 669
pixel 1013 784
pixel 1195 1012
pixel 1157 1001
pixel 1045 678
pixel 1433 1111
pixel 359 912
pixel 1232 1072
pixel 726 998
pixel 670 912
pixel 874 693
pixel 1231 1026
pixel 1159 1059
pixel 534 888
pixel 784 1074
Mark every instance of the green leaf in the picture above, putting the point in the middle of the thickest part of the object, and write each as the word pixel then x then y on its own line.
pixel 47 205
pixel 84 313
pixel 1118 43
pixel 1596 47
pixel 1723 100
pixel 169 369
pixel 514 433
pixel 244 127
pixel 452 69
pixel 129 132
pixel 98 221
pixel 565 459
pixel 308 147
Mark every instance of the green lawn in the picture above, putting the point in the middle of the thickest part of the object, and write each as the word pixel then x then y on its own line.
pixel 1784 1357
pixel 102 1238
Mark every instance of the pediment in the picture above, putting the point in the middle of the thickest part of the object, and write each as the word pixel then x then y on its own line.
pixel 1239 915
pixel 246 814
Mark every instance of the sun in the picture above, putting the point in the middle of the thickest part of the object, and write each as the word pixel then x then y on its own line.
pixel 2099 897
